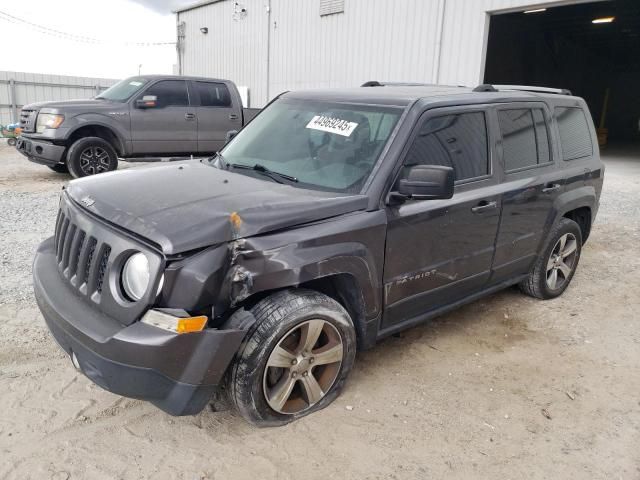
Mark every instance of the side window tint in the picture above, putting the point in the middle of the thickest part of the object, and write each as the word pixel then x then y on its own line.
pixel 542 136
pixel 518 138
pixel 525 138
pixel 169 93
pixel 458 141
pixel 574 133
pixel 213 94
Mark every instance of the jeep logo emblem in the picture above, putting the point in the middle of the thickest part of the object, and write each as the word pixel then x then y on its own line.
pixel 87 201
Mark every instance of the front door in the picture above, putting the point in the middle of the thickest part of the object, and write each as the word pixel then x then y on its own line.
pixel 439 251
pixel 169 127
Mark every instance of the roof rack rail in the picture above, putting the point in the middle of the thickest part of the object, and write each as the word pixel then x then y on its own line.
pixel 486 87
pixel 376 83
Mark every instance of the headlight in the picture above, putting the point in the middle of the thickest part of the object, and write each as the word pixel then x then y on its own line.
pixel 48 120
pixel 136 276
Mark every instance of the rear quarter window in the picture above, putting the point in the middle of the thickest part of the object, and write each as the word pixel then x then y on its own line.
pixel 573 127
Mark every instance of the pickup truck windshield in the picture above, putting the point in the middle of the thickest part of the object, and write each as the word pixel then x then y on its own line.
pixel 123 90
pixel 324 146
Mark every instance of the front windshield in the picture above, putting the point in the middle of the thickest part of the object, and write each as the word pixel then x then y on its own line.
pixel 332 147
pixel 123 90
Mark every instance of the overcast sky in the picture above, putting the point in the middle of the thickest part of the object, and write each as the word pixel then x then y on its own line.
pixel 115 24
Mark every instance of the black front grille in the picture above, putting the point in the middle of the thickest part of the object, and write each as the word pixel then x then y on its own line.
pixel 28 120
pixel 89 253
pixel 81 258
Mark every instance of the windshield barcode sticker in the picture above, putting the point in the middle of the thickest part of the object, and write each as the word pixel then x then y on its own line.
pixel 332 125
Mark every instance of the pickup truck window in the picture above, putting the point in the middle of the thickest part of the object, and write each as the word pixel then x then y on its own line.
pixel 524 138
pixel 169 93
pixel 574 133
pixel 213 94
pixel 326 146
pixel 123 90
pixel 458 141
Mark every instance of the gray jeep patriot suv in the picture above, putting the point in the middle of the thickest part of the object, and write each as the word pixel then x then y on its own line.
pixel 334 219
pixel 143 116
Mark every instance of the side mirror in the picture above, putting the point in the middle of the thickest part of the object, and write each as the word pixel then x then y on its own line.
pixel 148 101
pixel 427 182
pixel 230 134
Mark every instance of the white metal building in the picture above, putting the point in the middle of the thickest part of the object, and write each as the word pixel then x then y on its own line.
pixel 275 45
pixel 20 88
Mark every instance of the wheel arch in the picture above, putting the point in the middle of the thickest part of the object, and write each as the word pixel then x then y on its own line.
pixel 578 205
pixel 98 130
pixel 583 217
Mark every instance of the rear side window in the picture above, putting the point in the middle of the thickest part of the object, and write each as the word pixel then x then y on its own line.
pixel 458 141
pixel 213 94
pixel 525 140
pixel 574 133
pixel 169 93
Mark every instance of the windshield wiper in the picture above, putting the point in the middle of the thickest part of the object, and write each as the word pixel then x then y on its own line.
pixel 276 176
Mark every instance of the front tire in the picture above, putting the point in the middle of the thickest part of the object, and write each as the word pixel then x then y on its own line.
pixel 90 156
pixel 554 269
pixel 294 359
pixel 11 142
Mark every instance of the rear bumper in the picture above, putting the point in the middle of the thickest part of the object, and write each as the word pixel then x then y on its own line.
pixel 177 373
pixel 40 151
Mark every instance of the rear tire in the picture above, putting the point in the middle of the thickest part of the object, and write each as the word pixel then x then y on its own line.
pixel 60 168
pixel 554 269
pixel 90 156
pixel 295 358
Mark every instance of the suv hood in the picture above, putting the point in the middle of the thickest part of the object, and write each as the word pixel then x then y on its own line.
pixel 186 206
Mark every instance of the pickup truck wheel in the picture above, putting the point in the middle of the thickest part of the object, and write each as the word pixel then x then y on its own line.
pixel 554 269
pixel 60 168
pixel 294 359
pixel 90 156
pixel 11 142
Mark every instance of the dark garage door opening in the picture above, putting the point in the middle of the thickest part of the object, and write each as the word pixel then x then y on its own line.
pixel 562 47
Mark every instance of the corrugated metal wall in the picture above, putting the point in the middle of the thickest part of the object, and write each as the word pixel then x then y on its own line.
pixel 234 48
pixel 35 87
pixel 433 41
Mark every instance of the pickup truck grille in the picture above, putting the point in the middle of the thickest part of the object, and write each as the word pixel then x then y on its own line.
pixel 90 255
pixel 28 120
pixel 82 259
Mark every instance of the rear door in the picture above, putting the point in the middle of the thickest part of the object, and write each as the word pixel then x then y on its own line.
pixel 217 114
pixel 532 182
pixel 440 251
pixel 171 126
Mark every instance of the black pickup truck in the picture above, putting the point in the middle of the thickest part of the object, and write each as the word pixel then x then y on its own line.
pixel 146 116
pixel 334 219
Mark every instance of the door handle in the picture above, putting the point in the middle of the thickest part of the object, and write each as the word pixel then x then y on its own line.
pixel 551 187
pixel 233 116
pixel 189 116
pixel 483 206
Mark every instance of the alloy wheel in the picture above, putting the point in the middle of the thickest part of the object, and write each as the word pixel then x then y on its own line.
pixel 562 261
pixel 94 160
pixel 303 366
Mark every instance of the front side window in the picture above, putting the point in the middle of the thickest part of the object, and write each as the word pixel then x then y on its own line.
pixel 169 93
pixel 325 146
pixel 525 141
pixel 574 133
pixel 123 90
pixel 457 140
pixel 213 94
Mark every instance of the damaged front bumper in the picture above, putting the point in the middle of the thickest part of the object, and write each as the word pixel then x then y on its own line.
pixel 176 372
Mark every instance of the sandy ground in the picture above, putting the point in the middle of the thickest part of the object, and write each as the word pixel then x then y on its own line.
pixel 508 387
